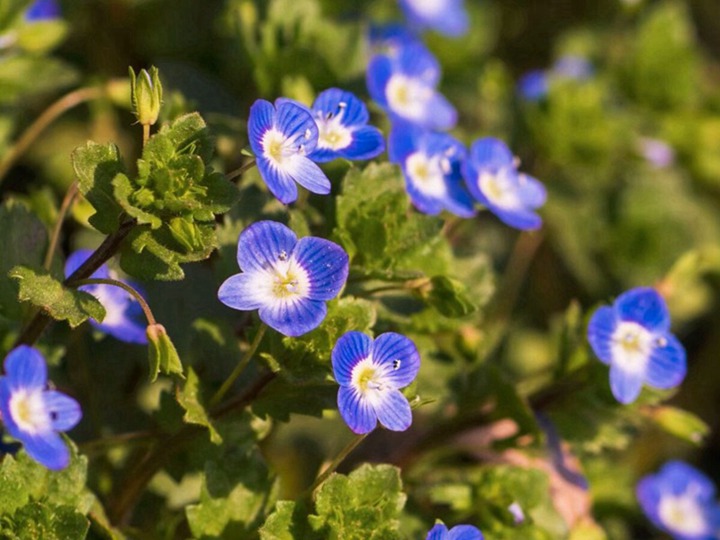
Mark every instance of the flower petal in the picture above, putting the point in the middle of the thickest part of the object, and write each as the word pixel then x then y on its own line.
pixel 440 114
pixel 625 384
pixel 524 220
pixel 667 365
pixel 390 347
pixel 600 332
pixel 351 348
pixel 25 368
pixel 261 119
pixel 64 411
pixel 264 243
pixel 356 411
pixel 379 71
pixel 295 122
pixel 393 410
pixel 645 306
pixel 294 317
pixel 280 183
pixel 48 449
pixel 335 101
pixel 417 61
pixel 367 142
pixel 326 265
pixel 489 153
pixel 77 258
pixel 465 532
pixel 532 192
pixel 403 140
pixel 438 532
pixel 241 291
pixel 307 174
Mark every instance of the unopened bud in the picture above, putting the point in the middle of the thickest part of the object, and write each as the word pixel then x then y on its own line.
pixel 162 354
pixel 146 95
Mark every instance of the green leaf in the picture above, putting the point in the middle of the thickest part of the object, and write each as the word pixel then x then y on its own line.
pixel 450 297
pixel 281 398
pixel 23 241
pixel 162 355
pixel 189 399
pixel 236 484
pixel 96 165
pixel 61 303
pixel 682 424
pixel 49 522
pixel 364 505
pixel 41 36
pixel 288 522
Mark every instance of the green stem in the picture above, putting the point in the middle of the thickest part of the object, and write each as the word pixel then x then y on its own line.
pixel 146 133
pixel 129 289
pixel 54 111
pixel 240 170
pixel 337 461
pixel 240 367
pixel 64 207
pixel 107 249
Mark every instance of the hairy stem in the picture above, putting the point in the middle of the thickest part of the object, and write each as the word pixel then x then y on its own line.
pixel 64 208
pixel 240 170
pixel 127 288
pixel 345 452
pixel 52 113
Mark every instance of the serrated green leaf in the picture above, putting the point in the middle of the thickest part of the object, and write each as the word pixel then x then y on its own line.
pixel 288 522
pixel 49 522
pixel 363 505
pixel 23 241
pixel 63 304
pixel 450 297
pixel 189 399
pixel 162 355
pixel 96 165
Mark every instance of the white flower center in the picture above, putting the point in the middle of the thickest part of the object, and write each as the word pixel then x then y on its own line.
pixel 285 280
pixel 499 188
pixel 428 8
pixel 331 133
pixel 427 173
pixel 27 409
pixel 631 346
pixel 278 148
pixel 682 514
pixel 407 96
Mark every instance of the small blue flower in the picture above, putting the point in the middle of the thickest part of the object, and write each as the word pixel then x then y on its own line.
pixel 282 137
pixel 370 374
pixel 533 85
pixel 33 414
pixel 391 38
pixel 680 500
pixel 431 164
pixel 286 279
pixel 445 16
pixel 124 319
pixel 657 153
pixel 633 337
pixel 491 176
pixel 42 10
pixel 343 132
pixel 458 532
pixel 404 85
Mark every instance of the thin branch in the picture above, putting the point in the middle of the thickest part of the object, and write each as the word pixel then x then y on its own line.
pixel 240 170
pixel 127 288
pixel 64 207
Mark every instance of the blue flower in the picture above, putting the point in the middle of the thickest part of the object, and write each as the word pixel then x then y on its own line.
pixel 404 85
pixel 459 532
pixel 491 176
pixel 633 337
pixel 431 164
pixel 445 16
pixel 343 132
pixel 391 38
pixel 286 279
pixel 282 137
pixel 42 10
pixel 33 414
pixel 370 374
pixel 680 500
pixel 124 319
pixel 533 85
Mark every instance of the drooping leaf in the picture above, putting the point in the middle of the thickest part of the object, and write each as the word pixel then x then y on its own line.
pixel 162 354
pixel 195 413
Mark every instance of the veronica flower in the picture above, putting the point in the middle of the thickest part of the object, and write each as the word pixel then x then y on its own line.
pixel 391 38
pixel 287 280
pixel 31 412
pixel 124 319
pixel 42 10
pixel 533 85
pixel 404 85
pixel 343 132
pixel 431 163
pixel 446 16
pixel 633 337
pixel 491 176
pixel 680 500
pixel 371 374
pixel 459 532
pixel 282 137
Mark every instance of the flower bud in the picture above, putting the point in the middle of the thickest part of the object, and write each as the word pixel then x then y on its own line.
pixel 146 95
pixel 162 354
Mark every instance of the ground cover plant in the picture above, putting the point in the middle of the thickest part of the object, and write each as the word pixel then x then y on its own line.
pixel 327 269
